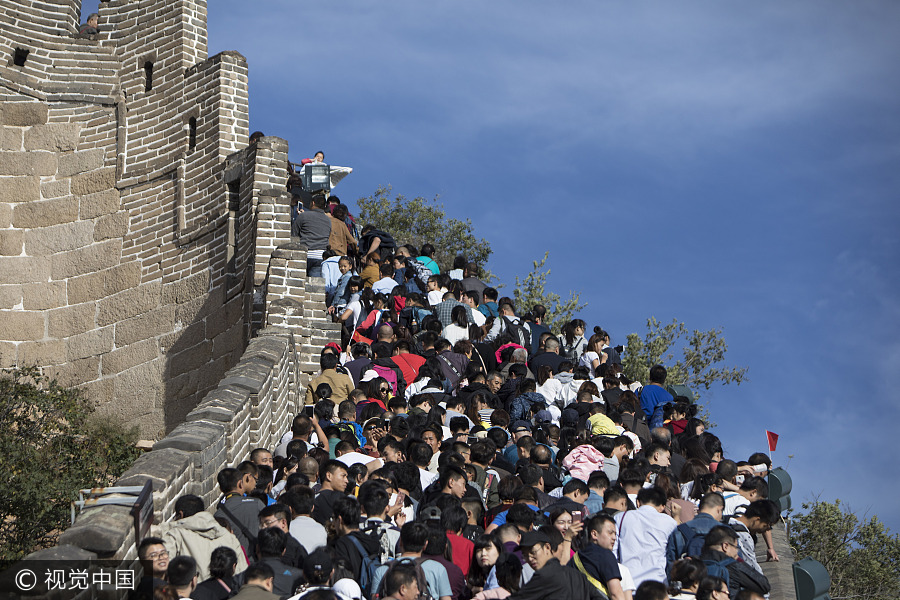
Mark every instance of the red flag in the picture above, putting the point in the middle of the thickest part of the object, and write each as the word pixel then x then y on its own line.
pixel 773 440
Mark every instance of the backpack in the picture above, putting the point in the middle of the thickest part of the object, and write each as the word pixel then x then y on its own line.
pixel 367 569
pixel 379 531
pixel 420 271
pixel 693 541
pixel 424 594
pixel 716 568
pixel 517 333
pixel 409 318
pixel 343 426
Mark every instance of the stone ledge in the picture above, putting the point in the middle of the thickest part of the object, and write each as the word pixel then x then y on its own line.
pixel 162 467
pixel 101 530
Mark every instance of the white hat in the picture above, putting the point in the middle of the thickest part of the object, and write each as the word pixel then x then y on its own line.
pixel 370 375
pixel 347 589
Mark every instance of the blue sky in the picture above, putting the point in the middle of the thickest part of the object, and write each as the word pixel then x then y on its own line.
pixel 730 165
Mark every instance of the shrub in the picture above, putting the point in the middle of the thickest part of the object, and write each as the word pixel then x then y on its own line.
pixel 51 445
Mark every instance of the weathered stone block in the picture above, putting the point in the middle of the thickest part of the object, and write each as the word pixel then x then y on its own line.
pixel 24 114
pixel 56 137
pixel 76 371
pixel 162 467
pixel 101 530
pixel 149 325
pixel 111 226
pixel 130 356
pixel 24 269
pixel 11 241
pixel 45 295
pixel 97 257
pixel 141 385
pixel 48 352
pixel 229 340
pixel 59 238
pixel 129 303
pixel 195 437
pixel 45 213
pixel 190 359
pixel 91 343
pixel 19 189
pixel 71 320
pixel 94 181
pixel 55 189
pixel 100 203
pixel 5 215
pixel 19 325
pixel 72 554
pixel 11 138
pixel 27 163
pixel 80 162
pixel 179 341
pixel 7 355
pixel 99 391
pixel 122 277
pixel 10 295
pixel 194 310
pixel 187 289
pixel 86 287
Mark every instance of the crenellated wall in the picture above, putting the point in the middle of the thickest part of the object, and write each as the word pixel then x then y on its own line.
pixel 127 235
pixel 145 249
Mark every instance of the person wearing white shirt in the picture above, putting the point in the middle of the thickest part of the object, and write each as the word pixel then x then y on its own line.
pixel 469 299
pixel 642 537
pixel 309 533
pixel 458 329
pixel 387 282
pixel 752 489
pixel 421 455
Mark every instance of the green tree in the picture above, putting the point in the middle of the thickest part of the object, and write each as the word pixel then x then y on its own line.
pixel 418 221
pixel 702 355
pixel 860 555
pixel 530 291
pixel 50 447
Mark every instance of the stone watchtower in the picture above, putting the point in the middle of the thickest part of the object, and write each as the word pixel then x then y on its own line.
pixel 127 240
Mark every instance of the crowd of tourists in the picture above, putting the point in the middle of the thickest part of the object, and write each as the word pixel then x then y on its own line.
pixel 453 447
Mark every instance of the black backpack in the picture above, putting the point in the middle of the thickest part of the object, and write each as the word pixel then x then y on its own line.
pixel 517 333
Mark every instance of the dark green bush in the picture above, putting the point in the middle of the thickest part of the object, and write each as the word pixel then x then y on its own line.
pixel 51 445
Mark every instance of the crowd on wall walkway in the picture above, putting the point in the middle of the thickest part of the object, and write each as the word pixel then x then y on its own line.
pixel 454 447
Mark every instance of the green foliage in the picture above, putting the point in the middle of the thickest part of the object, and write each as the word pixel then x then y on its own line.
pixel 418 221
pixel 50 447
pixel 861 555
pixel 530 291
pixel 702 354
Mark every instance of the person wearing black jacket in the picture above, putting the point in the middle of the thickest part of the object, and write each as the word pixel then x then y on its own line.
pixel 270 548
pixel 720 555
pixel 551 579
pixel 351 542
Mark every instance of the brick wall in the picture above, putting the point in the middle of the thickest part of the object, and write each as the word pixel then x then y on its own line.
pixel 117 272
pixel 143 244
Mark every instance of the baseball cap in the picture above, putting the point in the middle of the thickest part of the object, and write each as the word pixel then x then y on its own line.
pixel 569 418
pixel 543 416
pixel 347 588
pixel 317 561
pixel 520 426
pixel 533 538
pixel 431 513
